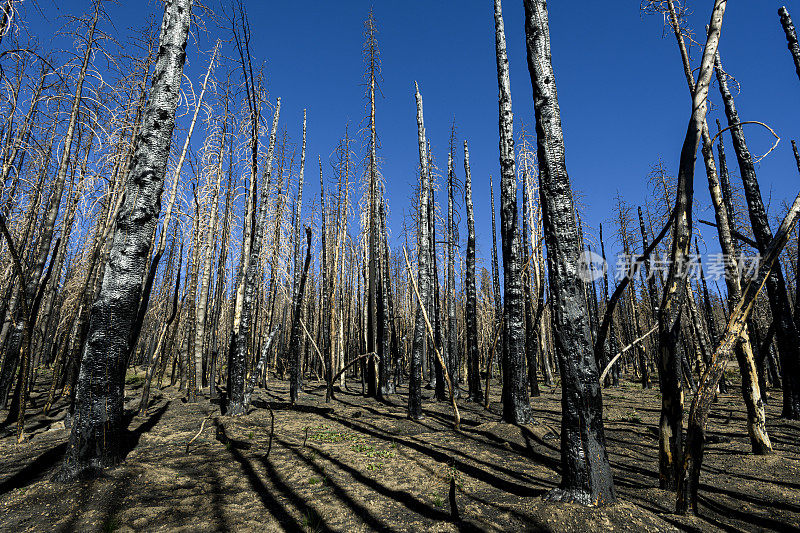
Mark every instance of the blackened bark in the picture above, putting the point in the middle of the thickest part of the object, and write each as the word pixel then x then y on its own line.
pixel 689 474
pixel 671 432
pixel 295 374
pixel 498 304
pixel 471 312
pixel 516 404
pixel 785 331
pixel 586 473
pixel 531 340
pixel 434 303
pixel 791 37
pixel 417 348
pixel 238 351
pixel 450 288
pixel 96 438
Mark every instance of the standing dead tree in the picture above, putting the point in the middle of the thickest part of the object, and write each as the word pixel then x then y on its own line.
pixel 689 473
pixel 516 405
pixel 586 472
pixel 95 441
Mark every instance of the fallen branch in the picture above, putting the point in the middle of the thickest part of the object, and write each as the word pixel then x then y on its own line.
pixel 251 385
pixel 314 344
pixel 202 427
pixel 351 363
pixel 736 234
pixel 625 349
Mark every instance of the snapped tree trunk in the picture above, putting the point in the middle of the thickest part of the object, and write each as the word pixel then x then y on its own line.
pixel 419 339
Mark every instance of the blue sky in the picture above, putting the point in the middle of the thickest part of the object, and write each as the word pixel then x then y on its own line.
pixel 623 97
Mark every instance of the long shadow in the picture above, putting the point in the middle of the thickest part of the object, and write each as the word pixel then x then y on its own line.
pixel 496 481
pixel 217 502
pixel 36 470
pixel 270 503
pixel 402 497
pixel 40 466
pixel 133 436
pixel 286 406
pixel 757 521
pixel 341 493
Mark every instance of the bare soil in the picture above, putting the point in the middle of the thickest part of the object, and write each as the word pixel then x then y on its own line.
pixel 355 464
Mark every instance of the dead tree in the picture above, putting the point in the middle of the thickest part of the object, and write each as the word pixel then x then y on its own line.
pixel 237 358
pixel 586 473
pixel 785 332
pixel 671 432
pixel 791 37
pixel 97 429
pixel 295 376
pixel 516 405
pixel 419 339
pixel 471 312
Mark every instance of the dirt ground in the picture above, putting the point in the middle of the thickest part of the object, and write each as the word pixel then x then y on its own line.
pixel 358 465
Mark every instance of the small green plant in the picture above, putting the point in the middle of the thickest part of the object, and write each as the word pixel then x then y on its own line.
pixel 312 522
pixel 325 435
pixel 632 417
pixel 111 524
pixel 438 501
pixel 250 435
pixel 374 467
pixel 313 480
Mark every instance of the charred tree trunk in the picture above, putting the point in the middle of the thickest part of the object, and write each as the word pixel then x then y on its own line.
pixel 237 357
pixel 471 312
pixel 96 438
pixel 295 375
pixel 418 343
pixel 791 37
pixel 586 473
pixel 516 404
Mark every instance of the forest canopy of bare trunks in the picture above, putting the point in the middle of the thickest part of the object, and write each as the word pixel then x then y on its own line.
pixel 176 230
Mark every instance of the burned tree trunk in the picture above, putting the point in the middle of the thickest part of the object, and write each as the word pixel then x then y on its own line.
pixel 791 37
pixel 418 343
pixel 516 405
pixel 586 473
pixel 295 375
pixel 237 356
pixel 97 429
pixel 471 312
pixel 785 331
pixel 671 432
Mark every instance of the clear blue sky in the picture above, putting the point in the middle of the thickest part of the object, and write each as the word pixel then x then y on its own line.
pixel 623 96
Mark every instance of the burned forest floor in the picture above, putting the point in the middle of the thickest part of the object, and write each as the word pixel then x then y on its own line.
pixel 356 464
